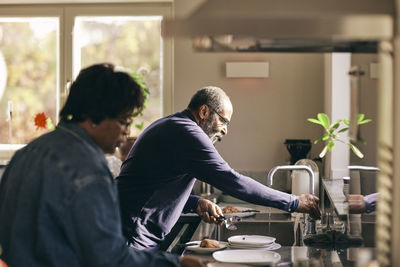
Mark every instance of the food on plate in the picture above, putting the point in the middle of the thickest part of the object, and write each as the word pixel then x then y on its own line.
pixel 230 209
pixel 209 243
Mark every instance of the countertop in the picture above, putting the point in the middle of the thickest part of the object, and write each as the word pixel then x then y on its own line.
pixel 308 256
pixel 292 255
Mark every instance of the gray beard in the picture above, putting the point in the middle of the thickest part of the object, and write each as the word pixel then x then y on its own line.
pixel 210 128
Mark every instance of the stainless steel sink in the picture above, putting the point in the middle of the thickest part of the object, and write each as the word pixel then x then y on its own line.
pixel 271 217
pixel 282 231
pixel 278 225
pixel 281 226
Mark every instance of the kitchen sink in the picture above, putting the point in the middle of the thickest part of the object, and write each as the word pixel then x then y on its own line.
pixel 281 226
pixel 271 217
pixel 278 225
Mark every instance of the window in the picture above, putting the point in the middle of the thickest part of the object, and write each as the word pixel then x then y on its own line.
pixel 28 64
pixel 132 42
pixel 43 47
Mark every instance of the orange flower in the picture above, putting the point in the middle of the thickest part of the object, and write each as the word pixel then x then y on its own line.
pixel 41 121
pixel 3 264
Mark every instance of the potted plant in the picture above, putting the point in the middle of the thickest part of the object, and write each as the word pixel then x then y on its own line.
pixel 125 147
pixel 139 78
pixel 333 129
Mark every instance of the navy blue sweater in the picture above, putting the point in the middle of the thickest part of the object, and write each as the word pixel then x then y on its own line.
pixel 158 175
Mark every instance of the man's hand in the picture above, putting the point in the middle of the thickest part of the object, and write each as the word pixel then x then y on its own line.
pixel 190 261
pixel 208 211
pixel 356 203
pixel 309 204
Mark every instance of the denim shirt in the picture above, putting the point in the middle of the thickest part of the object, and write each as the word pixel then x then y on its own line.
pixel 59 207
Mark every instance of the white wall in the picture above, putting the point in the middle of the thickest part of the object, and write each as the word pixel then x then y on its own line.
pixel 266 111
pixel 368 106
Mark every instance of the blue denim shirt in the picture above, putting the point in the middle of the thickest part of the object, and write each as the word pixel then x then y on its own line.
pixel 59 207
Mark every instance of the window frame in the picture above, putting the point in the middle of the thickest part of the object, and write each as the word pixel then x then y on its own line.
pixel 66 14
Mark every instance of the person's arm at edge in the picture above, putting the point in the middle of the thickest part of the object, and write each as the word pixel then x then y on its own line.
pixel 200 159
pixel 370 202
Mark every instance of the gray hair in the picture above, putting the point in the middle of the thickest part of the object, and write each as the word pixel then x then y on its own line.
pixel 209 95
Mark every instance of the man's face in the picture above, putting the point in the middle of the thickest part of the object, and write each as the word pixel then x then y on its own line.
pixel 216 124
pixel 210 127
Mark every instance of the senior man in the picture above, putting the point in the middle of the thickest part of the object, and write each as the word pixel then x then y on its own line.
pixel 157 177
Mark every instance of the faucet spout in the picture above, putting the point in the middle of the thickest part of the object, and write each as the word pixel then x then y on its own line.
pixel 363 168
pixel 272 172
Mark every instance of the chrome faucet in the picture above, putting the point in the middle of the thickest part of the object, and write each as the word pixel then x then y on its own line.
pixel 362 168
pixel 310 226
pixel 272 172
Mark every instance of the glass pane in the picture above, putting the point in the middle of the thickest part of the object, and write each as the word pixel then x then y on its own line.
pixel 28 76
pixel 131 42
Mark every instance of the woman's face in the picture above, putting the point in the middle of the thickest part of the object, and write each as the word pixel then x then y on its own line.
pixel 110 133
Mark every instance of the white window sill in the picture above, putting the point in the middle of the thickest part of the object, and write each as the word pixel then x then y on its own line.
pixel 8 150
pixel 76 1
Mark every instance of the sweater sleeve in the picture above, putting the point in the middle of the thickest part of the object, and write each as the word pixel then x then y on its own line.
pixel 191 204
pixel 201 160
pixel 370 202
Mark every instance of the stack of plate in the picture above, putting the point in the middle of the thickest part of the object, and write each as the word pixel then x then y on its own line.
pixel 253 242
pixel 246 256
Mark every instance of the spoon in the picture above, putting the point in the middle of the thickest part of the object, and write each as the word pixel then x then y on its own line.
pixel 230 222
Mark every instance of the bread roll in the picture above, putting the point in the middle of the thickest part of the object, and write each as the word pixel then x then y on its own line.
pixel 209 243
pixel 230 209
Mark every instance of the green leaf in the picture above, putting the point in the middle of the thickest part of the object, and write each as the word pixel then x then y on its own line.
pixel 331 145
pixel 334 126
pixel 324 119
pixel 318 140
pixel 356 151
pixel 360 117
pixel 343 130
pixel 49 124
pixel 139 125
pixel 325 137
pixel 314 121
pixel 347 122
pixel 146 92
pixel 364 121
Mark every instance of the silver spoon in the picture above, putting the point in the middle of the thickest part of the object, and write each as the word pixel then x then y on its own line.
pixel 230 222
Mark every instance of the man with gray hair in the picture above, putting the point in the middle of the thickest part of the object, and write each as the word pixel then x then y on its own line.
pixel 157 177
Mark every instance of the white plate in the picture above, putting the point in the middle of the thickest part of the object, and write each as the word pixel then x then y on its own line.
pixel 273 246
pixel 247 256
pixel 254 240
pixel 221 264
pixel 239 214
pixel 196 248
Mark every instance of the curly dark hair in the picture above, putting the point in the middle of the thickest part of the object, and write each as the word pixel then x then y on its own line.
pixel 99 92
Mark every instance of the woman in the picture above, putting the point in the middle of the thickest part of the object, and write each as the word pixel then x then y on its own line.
pixel 58 200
